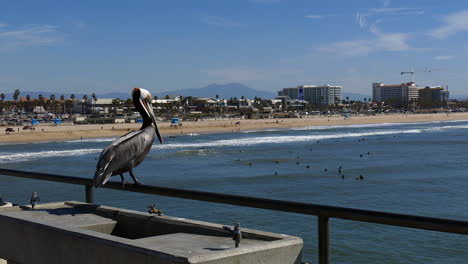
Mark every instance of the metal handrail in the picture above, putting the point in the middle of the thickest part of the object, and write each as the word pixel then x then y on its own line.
pixel 324 212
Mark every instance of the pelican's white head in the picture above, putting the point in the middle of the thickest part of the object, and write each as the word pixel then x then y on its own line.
pixel 142 100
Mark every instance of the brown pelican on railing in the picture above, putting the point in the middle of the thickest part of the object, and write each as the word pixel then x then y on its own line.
pixel 129 150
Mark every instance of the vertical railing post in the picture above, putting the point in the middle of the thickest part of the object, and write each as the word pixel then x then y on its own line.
pixel 324 239
pixel 89 193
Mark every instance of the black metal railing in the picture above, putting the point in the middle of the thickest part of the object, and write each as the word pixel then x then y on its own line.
pixel 323 212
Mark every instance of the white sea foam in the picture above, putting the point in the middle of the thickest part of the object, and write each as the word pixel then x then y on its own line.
pixel 91 140
pixel 26 156
pixel 376 125
pixel 281 139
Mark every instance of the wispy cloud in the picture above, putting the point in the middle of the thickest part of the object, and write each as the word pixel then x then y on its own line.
pixel 236 74
pixel 454 23
pixel 445 57
pixel 314 16
pixel 220 21
pixel 29 36
pixel 380 41
pixel 362 18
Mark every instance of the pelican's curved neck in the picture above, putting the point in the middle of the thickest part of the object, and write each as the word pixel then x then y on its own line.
pixel 147 121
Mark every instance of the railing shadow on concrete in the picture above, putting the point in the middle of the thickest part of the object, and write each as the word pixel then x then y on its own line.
pixel 323 212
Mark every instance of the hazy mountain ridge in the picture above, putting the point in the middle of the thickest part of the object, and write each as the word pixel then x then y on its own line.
pixel 223 90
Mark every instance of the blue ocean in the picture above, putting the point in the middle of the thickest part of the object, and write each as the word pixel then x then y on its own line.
pixel 413 168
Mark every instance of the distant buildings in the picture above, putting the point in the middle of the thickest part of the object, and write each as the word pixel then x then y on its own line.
pixel 433 96
pixel 396 93
pixel 313 94
pixel 406 93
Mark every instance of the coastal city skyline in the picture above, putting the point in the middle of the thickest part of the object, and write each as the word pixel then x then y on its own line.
pixel 180 45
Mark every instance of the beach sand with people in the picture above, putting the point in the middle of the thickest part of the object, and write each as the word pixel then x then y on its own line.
pixel 66 131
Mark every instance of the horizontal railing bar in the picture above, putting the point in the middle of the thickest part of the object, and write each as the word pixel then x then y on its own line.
pixel 403 220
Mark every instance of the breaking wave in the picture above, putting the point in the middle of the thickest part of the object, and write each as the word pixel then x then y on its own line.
pixel 16 157
pixel 281 139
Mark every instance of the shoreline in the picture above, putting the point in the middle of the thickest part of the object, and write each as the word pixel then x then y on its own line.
pixel 51 133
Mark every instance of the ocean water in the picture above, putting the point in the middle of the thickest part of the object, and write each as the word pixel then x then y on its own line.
pixel 414 168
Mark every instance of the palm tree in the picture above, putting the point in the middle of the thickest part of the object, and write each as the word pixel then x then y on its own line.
pixel 16 94
pixel 217 96
pixel 85 97
pixel 2 96
pixel 93 95
pixel 115 103
pixel 72 96
pixel 28 99
pixel 128 103
pixel 62 97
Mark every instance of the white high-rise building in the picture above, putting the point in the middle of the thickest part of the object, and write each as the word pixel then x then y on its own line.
pixel 314 94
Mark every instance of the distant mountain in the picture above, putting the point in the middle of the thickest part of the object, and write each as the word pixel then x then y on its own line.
pixel 223 90
pixel 458 96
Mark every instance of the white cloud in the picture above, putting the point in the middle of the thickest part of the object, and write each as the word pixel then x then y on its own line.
pixel 443 57
pixel 220 21
pixel 454 23
pixel 314 16
pixel 363 17
pixel 379 42
pixel 29 36
pixel 236 74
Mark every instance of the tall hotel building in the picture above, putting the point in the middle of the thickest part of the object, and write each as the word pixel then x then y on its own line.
pixel 318 95
pixel 401 93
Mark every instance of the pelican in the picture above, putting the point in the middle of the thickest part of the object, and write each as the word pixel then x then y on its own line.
pixel 129 150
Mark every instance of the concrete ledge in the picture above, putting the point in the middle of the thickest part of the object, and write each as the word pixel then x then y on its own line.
pixel 74 232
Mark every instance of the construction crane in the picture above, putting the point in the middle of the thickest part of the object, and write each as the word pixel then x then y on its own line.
pixel 412 72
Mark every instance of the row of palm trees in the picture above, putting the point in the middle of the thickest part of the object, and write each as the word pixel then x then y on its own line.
pixel 51 104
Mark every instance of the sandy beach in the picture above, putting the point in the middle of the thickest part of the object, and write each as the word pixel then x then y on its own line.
pixel 68 131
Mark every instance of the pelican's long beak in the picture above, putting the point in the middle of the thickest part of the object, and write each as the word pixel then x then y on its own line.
pixel 149 109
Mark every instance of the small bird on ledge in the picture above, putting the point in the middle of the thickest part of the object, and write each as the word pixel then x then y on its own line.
pixel 154 210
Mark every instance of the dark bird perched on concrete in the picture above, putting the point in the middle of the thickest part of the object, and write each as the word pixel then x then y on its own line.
pixel 126 152
pixel 250 163
pixel 34 199
pixel 276 173
pixel 307 166
pixel 326 169
pixel 297 163
pixel 360 155
pixel 236 233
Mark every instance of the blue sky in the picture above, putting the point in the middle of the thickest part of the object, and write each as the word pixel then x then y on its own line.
pixel 103 46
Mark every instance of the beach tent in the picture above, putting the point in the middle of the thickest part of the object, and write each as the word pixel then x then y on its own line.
pixel 34 122
pixel 57 121
pixel 174 121
pixel 139 120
